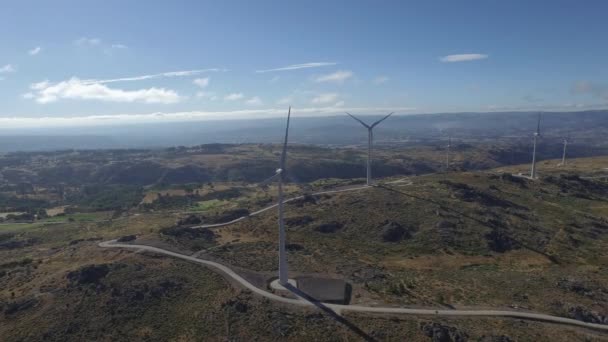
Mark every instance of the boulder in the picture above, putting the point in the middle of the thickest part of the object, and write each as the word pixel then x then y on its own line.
pixel 394 232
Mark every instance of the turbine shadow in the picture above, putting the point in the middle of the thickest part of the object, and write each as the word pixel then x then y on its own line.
pixel 446 208
pixel 331 313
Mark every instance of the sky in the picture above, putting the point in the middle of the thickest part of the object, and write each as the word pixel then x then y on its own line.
pixel 98 62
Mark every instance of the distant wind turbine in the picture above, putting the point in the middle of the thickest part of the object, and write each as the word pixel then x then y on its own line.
pixel 370 139
pixel 447 154
pixel 536 136
pixel 564 152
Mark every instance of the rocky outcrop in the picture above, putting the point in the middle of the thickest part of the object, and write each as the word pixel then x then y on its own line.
pixel 330 227
pixel 583 314
pixel 394 232
pixel 443 333
pixel 189 233
pixel 189 220
pixel 90 274
pixel 499 241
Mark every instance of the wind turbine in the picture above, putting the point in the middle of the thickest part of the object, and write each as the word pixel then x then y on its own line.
pixel 564 153
pixel 370 139
pixel 281 172
pixel 536 136
pixel 447 154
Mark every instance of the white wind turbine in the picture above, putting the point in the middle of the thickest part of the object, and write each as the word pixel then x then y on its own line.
pixel 280 174
pixel 447 154
pixel 370 139
pixel 536 136
pixel 564 152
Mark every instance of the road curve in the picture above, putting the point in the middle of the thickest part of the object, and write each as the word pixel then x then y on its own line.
pixel 359 308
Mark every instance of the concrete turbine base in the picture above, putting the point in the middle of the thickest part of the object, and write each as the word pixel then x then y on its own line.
pixel 275 285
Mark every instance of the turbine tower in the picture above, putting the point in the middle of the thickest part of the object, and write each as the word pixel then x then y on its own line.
pixel 447 154
pixel 536 136
pixel 564 153
pixel 370 140
pixel 281 172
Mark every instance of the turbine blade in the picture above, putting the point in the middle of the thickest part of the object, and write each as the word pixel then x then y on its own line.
pixel 379 121
pixel 361 122
pixel 538 125
pixel 284 152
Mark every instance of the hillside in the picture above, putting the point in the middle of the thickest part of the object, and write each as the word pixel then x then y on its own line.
pixel 448 240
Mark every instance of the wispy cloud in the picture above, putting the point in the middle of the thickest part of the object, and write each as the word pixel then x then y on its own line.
pixel 233 97
pixel 184 73
pixel 590 88
pixel 34 51
pixel 254 101
pixel 336 77
pixel 85 41
pixel 466 57
pixel 380 79
pixel 325 98
pixel 7 68
pixel 299 66
pixel 76 89
pixel 118 46
pixel 201 82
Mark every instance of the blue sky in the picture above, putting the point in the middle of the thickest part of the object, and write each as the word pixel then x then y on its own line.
pixel 92 62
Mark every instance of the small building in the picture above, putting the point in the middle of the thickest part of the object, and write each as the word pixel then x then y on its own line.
pixel 327 290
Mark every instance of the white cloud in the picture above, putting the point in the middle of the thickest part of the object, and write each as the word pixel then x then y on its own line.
pixel 462 57
pixel 118 46
pixel 34 51
pixel 254 101
pixel 339 104
pixel 380 80
pixel 84 41
pixel 207 95
pixel 299 66
pixel 336 77
pixel 75 89
pixel 325 98
pixel 201 82
pixel 159 117
pixel 28 96
pixel 7 68
pixel 233 97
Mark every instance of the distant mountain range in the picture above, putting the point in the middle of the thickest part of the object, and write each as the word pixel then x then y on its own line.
pixel 586 127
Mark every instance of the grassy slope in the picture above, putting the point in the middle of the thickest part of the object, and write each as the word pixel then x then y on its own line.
pixel 433 267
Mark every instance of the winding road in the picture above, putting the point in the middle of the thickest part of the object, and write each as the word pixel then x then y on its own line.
pixel 216 225
pixel 339 308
